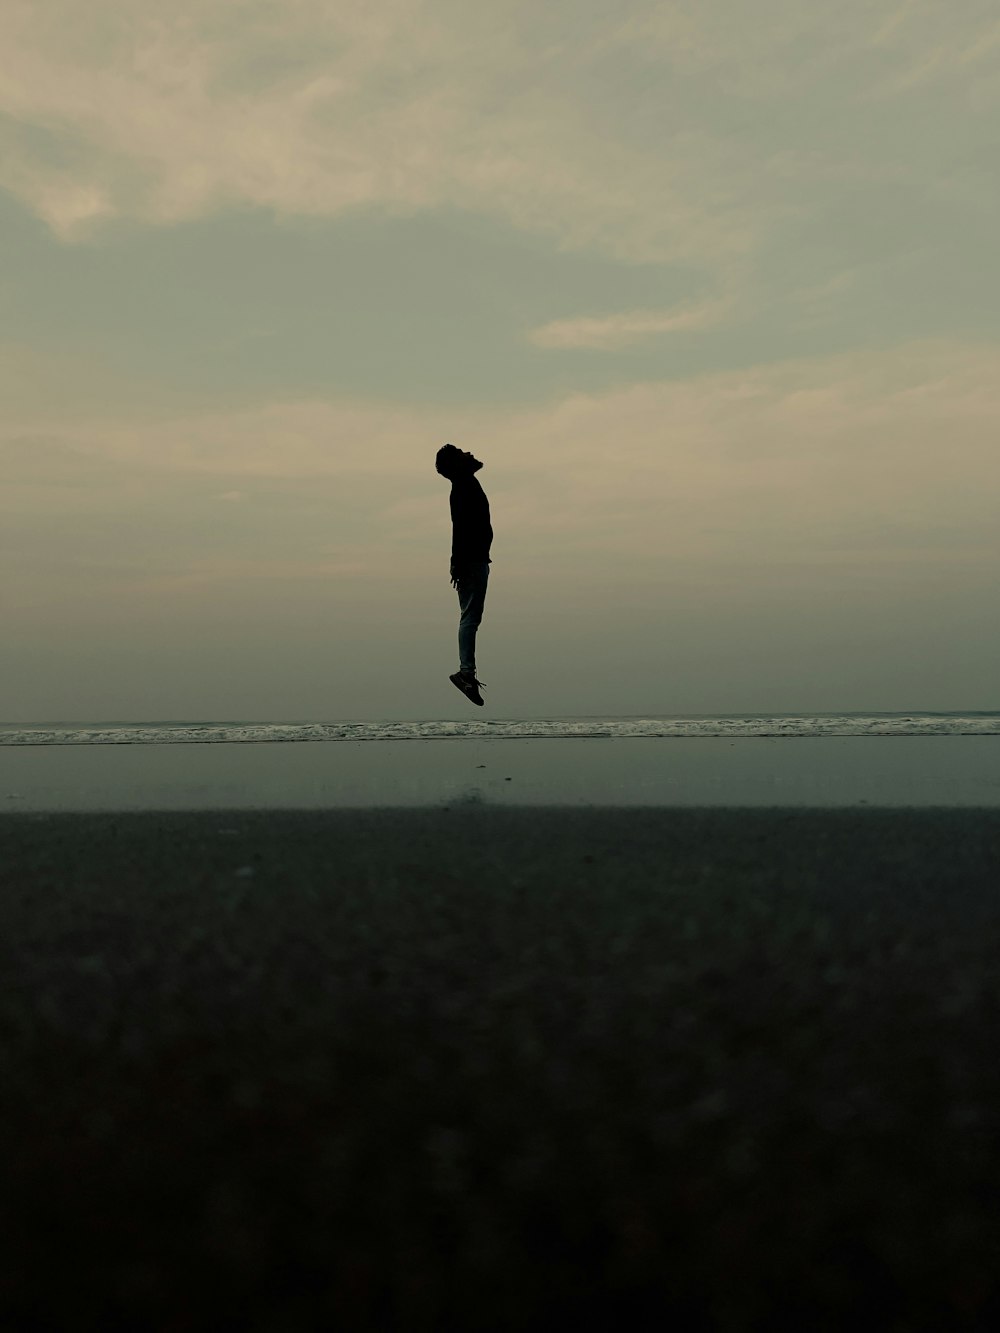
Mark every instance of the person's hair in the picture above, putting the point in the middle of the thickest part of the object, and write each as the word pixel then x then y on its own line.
pixel 443 460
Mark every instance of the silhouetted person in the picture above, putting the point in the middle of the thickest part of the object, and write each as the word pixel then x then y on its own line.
pixel 471 538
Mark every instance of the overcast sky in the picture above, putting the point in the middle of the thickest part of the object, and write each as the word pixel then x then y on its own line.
pixel 712 288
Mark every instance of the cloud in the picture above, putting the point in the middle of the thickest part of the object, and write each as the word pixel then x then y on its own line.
pixel 608 332
pixel 641 136
pixel 314 109
pixel 780 47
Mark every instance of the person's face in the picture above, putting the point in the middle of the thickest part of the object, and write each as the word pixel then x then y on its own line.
pixel 466 462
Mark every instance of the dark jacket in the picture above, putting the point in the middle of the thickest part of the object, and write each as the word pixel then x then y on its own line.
pixel 471 533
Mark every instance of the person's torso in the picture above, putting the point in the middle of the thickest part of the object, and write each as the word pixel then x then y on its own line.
pixel 470 515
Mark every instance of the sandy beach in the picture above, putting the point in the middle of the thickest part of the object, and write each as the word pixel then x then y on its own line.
pixel 497 1067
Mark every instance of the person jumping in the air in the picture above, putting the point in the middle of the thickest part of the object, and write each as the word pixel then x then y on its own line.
pixel 471 539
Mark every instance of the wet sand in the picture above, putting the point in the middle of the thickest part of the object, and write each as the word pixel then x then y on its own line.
pixel 678 771
pixel 497 1068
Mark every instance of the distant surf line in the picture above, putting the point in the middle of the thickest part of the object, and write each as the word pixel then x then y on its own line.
pixel 653 728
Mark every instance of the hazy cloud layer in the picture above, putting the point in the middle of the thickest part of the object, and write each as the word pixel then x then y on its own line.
pixel 852 461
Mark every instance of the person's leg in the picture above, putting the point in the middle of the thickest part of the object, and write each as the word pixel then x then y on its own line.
pixel 471 600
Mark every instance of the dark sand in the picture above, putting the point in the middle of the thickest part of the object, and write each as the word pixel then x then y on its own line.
pixel 495 1068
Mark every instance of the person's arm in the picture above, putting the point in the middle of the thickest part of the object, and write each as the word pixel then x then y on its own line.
pixel 459 562
pixel 460 519
pixel 470 527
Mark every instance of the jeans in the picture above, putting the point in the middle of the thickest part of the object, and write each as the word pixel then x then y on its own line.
pixel 472 583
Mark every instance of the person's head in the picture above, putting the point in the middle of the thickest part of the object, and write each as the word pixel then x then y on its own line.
pixel 452 462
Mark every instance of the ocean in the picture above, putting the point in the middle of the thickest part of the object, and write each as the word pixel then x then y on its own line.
pixel 560 728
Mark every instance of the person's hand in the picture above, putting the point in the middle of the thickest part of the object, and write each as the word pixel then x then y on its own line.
pixel 454 577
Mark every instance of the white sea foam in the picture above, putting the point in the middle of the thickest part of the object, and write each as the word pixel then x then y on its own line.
pixel 656 728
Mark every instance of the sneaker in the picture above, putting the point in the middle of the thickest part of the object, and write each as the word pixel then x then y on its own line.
pixel 469 686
